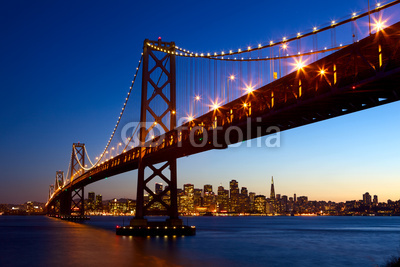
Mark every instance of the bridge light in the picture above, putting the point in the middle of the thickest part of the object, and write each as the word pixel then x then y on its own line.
pixel 245 105
pixel 315 29
pixel 248 48
pixel 259 45
pixel 333 22
pixel 298 34
pixel 378 4
pixel 215 106
pixel 249 89
pixel 322 71
pixel 190 118
pixel 271 42
pixel 284 46
pixel 173 112
pixel 239 50
pixel 197 97
pixel 354 14
pixel 284 39
pixel 232 77
pixel 379 25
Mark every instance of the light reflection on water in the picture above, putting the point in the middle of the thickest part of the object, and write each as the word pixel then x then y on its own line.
pixel 223 241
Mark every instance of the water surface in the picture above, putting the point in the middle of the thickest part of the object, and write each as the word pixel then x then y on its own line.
pixel 220 241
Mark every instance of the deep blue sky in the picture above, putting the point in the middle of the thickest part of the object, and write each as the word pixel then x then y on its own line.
pixel 66 67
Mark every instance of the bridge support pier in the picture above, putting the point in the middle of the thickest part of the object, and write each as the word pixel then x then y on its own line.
pixel 158 81
pixel 169 203
pixel 77 198
pixel 65 204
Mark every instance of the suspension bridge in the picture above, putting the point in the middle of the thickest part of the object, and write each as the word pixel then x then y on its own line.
pixel 193 101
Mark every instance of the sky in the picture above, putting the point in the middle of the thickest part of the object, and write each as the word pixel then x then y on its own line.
pixel 66 67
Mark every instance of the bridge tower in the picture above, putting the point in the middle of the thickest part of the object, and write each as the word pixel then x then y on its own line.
pixel 158 90
pixel 59 179
pixel 73 199
pixel 53 208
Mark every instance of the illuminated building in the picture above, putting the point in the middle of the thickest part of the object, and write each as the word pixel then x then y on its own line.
pixel 167 196
pixel 375 200
pixel 244 201
pixel 29 206
pixel 259 204
pixel 251 200
pixel 158 188
pixel 367 199
pixel 114 206
pixel 222 199
pixel 302 200
pixel 209 198
pixel 272 195
pixel 157 205
pixel 234 196
pixel 269 207
pixel 284 204
pixel 91 205
pixel 99 203
pixel 189 193
pixel 197 197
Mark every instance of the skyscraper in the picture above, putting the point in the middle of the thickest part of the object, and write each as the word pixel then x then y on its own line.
pixel 99 203
pixel 367 199
pixel 189 192
pixel 272 195
pixel 259 204
pixel 197 197
pixel 208 197
pixel 234 196
pixel 91 201
pixel 375 200
pixel 222 199
pixel 244 201
pixel 159 188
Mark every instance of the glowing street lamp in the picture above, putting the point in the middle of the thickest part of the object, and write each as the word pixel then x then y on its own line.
pixel 379 25
pixel 249 88
pixel 299 64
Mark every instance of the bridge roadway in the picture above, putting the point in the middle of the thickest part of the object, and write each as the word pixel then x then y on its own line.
pixel 361 76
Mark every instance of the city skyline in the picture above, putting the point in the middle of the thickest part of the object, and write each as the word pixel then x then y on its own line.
pixel 158 187
pixel 65 77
